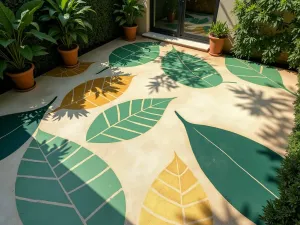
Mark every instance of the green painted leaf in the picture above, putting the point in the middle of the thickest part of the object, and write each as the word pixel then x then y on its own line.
pixel 135 54
pixel 255 73
pixel 17 128
pixel 62 183
pixel 127 120
pixel 242 170
pixel 190 70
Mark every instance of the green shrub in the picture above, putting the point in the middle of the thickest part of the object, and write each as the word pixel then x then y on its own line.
pixel 104 29
pixel 267 29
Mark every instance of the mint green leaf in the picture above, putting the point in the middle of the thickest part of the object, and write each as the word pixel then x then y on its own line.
pixel 256 73
pixel 5 42
pixel 134 54
pixel 42 36
pixel 3 66
pixel 190 70
pixel 64 181
pixel 17 128
pixel 26 52
pixel 127 120
pixel 242 170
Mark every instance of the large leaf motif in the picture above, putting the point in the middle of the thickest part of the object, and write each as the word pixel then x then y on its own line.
pixel 190 70
pixel 17 128
pixel 127 120
pixel 94 93
pixel 69 72
pixel 60 182
pixel 135 54
pixel 176 197
pixel 242 170
pixel 256 73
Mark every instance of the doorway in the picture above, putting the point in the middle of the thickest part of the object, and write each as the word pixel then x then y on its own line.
pixel 189 19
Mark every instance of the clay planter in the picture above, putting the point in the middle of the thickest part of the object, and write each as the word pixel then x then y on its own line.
pixel 171 17
pixel 24 81
pixel 130 33
pixel 70 57
pixel 216 45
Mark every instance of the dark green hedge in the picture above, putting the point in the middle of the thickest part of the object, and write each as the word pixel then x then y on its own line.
pixel 104 30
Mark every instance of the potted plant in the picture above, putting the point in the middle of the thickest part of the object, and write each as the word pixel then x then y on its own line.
pixel 15 52
pixel 69 24
pixel 217 34
pixel 127 14
pixel 172 6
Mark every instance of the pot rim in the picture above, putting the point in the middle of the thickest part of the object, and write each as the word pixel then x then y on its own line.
pixel 215 38
pixel 22 73
pixel 72 50
pixel 136 26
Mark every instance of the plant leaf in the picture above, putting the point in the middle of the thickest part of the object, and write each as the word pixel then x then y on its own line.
pixel 190 70
pixel 38 50
pixel 256 73
pixel 69 72
pixel 3 66
pixel 242 170
pixel 36 25
pixel 7 18
pixel 43 36
pixel 26 52
pixel 134 54
pixel 68 183
pixel 17 128
pixel 6 42
pixel 31 6
pixel 95 93
pixel 127 120
pixel 171 189
pixel 63 18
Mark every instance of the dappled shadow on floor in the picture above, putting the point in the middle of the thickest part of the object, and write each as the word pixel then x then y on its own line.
pixel 273 109
pixel 61 180
pixel 160 82
pixel 91 94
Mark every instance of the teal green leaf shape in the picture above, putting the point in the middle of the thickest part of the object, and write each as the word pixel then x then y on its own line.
pixel 256 73
pixel 60 182
pixel 17 128
pixel 134 54
pixel 190 70
pixel 127 120
pixel 242 170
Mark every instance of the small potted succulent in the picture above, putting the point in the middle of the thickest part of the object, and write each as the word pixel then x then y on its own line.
pixel 127 14
pixel 15 52
pixel 68 25
pixel 172 6
pixel 217 34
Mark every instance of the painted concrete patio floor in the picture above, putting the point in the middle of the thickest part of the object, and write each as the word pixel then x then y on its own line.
pixel 145 133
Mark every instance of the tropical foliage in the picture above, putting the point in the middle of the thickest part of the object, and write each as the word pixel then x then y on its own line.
pixel 128 12
pixel 267 29
pixel 219 30
pixel 70 23
pixel 15 31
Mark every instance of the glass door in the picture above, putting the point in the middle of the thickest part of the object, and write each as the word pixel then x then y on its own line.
pixel 190 19
pixel 198 16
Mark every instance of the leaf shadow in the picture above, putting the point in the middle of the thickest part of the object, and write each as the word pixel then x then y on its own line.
pixel 161 82
pixel 59 155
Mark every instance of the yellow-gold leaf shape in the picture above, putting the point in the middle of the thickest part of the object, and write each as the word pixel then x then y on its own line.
pixel 69 72
pixel 176 197
pixel 94 93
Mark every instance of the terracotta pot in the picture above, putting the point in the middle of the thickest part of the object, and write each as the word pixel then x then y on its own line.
pixel 70 57
pixel 24 81
pixel 216 45
pixel 171 17
pixel 130 33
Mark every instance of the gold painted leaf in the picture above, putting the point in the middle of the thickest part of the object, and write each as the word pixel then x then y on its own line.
pixel 94 93
pixel 69 72
pixel 176 197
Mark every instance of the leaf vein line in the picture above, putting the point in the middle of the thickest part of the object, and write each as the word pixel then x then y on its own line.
pixel 168 185
pixel 36 177
pixel 44 202
pixel 69 156
pixel 159 216
pixel 237 163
